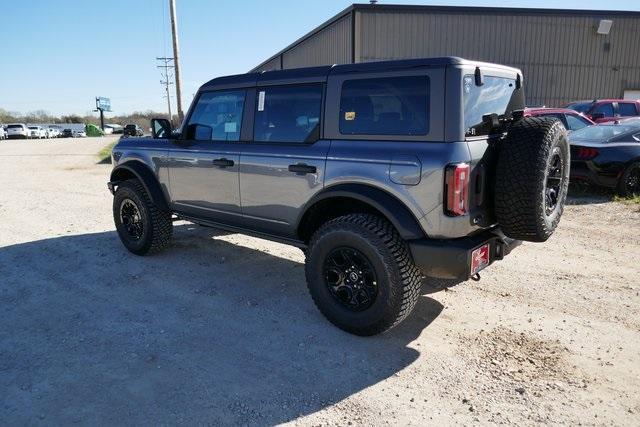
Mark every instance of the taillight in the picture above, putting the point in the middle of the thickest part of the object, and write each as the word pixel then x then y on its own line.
pixel 585 153
pixel 457 188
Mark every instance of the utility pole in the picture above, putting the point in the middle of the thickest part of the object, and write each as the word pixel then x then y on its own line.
pixel 176 57
pixel 166 81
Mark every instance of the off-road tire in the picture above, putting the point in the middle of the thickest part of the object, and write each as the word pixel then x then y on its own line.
pixel 522 170
pixel 157 224
pixel 623 187
pixel 398 278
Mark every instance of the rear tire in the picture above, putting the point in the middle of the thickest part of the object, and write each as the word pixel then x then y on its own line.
pixel 532 178
pixel 143 227
pixel 374 287
pixel 629 184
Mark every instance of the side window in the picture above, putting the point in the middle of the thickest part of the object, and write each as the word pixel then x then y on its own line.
pixel 385 106
pixel 575 122
pixel 606 109
pixel 217 116
pixel 626 109
pixel 288 113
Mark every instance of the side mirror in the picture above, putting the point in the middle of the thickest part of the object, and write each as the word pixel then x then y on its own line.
pixel 597 116
pixel 161 128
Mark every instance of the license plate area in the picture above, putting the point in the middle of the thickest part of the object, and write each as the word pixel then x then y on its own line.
pixel 480 258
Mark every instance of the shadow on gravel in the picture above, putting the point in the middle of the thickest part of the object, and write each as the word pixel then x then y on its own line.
pixel 207 332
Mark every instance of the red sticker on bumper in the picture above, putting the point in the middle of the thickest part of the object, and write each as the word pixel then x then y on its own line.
pixel 479 258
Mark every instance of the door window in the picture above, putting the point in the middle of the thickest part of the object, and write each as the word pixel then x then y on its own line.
pixel 217 116
pixel 606 109
pixel 289 114
pixel 626 109
pixel 385 106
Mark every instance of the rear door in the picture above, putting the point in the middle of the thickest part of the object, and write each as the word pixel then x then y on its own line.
pixel 203 166
pixel 283 166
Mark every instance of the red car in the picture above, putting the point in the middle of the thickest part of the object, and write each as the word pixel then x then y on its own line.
pixel 571 119
pixel 605 110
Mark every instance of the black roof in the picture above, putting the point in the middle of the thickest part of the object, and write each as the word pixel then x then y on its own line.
pixel 320 74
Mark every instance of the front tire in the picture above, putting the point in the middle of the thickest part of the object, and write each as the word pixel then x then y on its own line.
pixel 143 227
pixel 360 274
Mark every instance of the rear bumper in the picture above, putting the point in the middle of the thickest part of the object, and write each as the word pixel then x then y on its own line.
pixel 451 258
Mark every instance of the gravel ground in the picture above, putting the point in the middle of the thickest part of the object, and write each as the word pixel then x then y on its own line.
pixel 220 329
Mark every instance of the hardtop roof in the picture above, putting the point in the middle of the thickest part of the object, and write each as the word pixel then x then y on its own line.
pixel 319 74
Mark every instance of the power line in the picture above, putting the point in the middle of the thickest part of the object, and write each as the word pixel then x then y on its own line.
pixel 166 80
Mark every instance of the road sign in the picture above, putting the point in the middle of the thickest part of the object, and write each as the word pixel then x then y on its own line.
pixel 103 103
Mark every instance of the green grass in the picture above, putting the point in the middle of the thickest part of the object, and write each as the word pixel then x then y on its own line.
pixel 105 154
pixel 630 200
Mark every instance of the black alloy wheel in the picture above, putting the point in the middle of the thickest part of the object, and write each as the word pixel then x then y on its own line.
pixel 351 278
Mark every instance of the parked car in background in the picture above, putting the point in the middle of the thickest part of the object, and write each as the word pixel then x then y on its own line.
pixel 133 130
pixel 79 133
pixel 54 132
pixel 37 132
pixel 18 130
pixel 608 155
pixel 67 133
pixel 604 110
pixel 3 133
pixel 571 119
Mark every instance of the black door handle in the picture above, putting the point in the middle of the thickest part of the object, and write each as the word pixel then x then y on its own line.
pixel 302 169
pixel 223 163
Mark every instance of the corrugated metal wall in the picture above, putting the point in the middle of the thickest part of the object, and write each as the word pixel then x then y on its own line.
pixel 562 57
pixel 330 45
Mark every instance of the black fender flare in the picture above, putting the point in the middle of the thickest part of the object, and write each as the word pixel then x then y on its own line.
pixel 388 205
pixel 146 176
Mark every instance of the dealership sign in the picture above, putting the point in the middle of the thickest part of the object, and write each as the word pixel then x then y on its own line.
pixel 103 103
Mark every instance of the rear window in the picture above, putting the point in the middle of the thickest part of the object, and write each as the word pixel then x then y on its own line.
pixel 493 97
pixel 14 127
pixel 385 106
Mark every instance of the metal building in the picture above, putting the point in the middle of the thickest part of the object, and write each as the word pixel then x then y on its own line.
pixel 565 55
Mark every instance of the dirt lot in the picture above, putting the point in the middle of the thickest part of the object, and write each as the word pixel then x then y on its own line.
pixel 220 329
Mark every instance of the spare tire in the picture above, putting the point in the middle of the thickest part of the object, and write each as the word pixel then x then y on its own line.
pixel 532 178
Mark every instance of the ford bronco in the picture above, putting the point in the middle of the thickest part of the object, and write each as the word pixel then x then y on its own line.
pixel 383 173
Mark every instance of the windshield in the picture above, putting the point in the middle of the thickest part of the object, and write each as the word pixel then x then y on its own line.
pixel 602 133
pixel 14 127
pixel 497 95
pixel 580 107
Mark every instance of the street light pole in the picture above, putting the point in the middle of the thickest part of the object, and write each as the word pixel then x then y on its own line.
pixel 176 58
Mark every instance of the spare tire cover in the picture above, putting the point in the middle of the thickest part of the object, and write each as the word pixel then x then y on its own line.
pixel 532 178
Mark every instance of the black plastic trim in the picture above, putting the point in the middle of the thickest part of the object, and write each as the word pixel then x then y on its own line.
pixel 402 219
pixel 146 177
pixel 451 258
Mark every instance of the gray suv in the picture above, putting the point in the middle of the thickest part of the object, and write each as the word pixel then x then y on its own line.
pixel 383 173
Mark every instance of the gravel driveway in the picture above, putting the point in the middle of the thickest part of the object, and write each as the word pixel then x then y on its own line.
pixel 220 328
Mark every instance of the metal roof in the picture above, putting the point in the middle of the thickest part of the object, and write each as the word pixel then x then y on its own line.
pixel 464 10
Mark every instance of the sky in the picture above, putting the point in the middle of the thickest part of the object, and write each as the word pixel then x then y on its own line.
pixel 59 55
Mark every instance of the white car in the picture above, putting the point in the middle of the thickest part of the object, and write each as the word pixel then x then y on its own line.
pixel 80 133
pixel 18 130
pixel 3 133
pixel 37 132
pixel 53 132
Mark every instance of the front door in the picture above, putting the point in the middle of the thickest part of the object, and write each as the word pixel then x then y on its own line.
pixel 283 167
pixel 204 165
